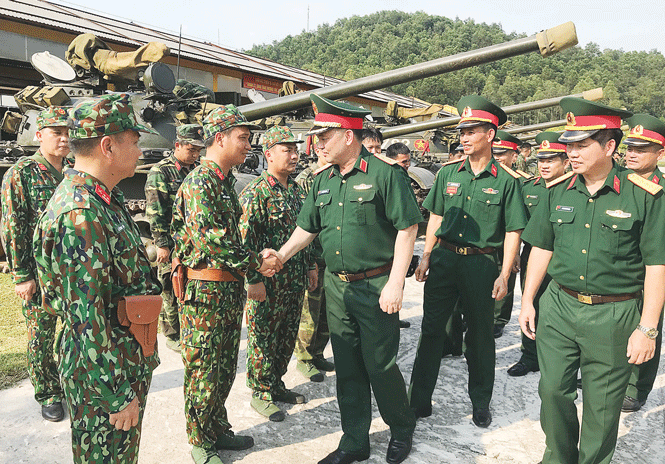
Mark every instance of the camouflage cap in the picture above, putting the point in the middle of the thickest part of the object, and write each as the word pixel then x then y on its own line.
pixel 107 115
pixel 222 118
pixel 191 134
pixel 278 134
pixel 52 116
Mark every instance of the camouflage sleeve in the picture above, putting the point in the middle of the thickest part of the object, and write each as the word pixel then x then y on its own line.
pixel 73 256
pixel 15 225
pixel 252 227
pixel 158 207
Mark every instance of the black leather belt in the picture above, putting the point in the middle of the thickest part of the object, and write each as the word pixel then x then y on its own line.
pixel 469 250
pixel 346 277
pixel 590 299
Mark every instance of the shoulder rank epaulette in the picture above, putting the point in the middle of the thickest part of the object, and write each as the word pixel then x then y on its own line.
pixel 385 159
pixel 452 162
pixel 526 175
pixel 644 184
pixel 322 168
pixel 558 180
pixel 510 171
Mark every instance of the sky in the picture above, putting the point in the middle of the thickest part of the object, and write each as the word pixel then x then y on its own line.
pixel 627 25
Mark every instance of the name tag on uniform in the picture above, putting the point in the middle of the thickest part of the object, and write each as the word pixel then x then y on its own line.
pixel 362 187
pixel 567 209
pixel 323 192
pixel 532 196
pixel 226 197
pixel 451 187
pixel 490 191
pixel 617 213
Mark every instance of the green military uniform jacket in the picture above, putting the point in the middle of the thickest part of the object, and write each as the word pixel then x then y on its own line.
pixel 27 188
pixel 601 242
pixel 478 209
pixel 269 218
pixel 358 215
pixel 163 182
pixel 89 254
pixel 305 179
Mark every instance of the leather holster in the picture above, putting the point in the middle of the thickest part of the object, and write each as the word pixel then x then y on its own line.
pixel 178 279
pixel 141 314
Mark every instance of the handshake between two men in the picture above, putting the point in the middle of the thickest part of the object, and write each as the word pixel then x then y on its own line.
pixel 272 263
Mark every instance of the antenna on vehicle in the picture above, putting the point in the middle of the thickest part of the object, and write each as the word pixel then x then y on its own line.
pixel 179 45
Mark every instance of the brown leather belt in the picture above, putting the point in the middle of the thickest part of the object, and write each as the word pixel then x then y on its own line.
pixel 470 250
pixel 346 277
pixel 212 275
pixel 589 299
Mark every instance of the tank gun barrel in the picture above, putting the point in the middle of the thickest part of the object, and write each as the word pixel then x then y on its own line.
pixel 547 42
pixel 396 131
pixel 536 127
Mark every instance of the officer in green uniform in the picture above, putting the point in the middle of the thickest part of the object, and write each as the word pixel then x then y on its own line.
pixel 90 257
pixel 270 207
pixel 207 240
pixel 361 195
pixel 476 209
pixel 504 150
pixel 313 334
pixel 645 142
pixel 162 183
pixel 552 165
pixel 594 236
pixel 26 189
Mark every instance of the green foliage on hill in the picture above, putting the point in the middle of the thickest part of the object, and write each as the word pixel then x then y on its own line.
pixel 363 45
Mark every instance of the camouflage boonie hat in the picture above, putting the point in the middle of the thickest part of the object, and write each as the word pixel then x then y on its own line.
pixel 191 134
pixel 107 115
pixel 222 118
pixel 278 134
pixel 52 116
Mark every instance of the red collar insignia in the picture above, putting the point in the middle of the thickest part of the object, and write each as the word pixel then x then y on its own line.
pixel 219 173
pixel 572 181
pixel 537 178
pixel 177 165
pixel 272 181
pixel 42 167
pixel 656 179
pixel 331 174
pixel 494 170
pixel 103 194
pixel 363 166
pixel 617 184
pixel 461 165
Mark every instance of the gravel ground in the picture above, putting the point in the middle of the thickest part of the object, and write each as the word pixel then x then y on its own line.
pixel 312 430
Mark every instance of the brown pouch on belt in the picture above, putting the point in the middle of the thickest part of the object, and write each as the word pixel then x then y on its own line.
pixel 141 313
pixel 178 279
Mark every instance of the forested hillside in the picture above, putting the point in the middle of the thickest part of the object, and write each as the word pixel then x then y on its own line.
pixel 363 45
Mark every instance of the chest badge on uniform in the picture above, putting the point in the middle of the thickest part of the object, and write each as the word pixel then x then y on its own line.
pixel 323 192
pixel 617 213
pixel 490 191
pixel 362 186
pixel 567 209
pixel 532 196
pixel 452 187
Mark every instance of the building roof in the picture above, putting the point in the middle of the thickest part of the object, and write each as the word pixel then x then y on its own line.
pixel 75 20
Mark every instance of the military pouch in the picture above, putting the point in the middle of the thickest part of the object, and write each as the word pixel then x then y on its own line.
pixel 178 279
pixel 141 314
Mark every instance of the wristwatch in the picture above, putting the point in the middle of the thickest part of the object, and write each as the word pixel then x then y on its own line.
pixel 650 332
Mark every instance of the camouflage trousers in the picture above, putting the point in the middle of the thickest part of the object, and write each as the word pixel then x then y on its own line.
pixel 313 333
pixel 169 321
pixel 94 439
pixel 42 367
pixel 210 321
pixel 272 328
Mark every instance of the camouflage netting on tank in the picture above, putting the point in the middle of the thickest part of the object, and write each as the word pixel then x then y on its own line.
pixel 194 101
pixel 394 111
pixel 90 52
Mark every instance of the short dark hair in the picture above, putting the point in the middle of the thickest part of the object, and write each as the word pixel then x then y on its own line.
pixel 605 135
pixel 83 147
pixel 210 140
pixel 371 133
pixel 397 149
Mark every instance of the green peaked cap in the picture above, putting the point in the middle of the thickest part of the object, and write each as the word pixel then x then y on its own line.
pixel 503 136
pixel 584 118
pixel 476 110
pixel 549 145
pixel 644 130
pixel 331 114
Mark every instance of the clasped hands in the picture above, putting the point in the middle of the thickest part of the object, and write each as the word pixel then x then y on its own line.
pixel 272 262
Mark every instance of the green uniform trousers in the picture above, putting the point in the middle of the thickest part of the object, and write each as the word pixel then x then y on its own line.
pixel 503 309
pixel 365 341
pixel 469 279
pixel 313 334
pixel 42 368
pixel 644 375
pixel 529 353
pixel 210 334
pixel 454 333
pixel 104 444
pixel 169 321
pixel 591 338
pixel 272 328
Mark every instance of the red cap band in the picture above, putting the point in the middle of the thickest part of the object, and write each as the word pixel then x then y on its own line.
pixel 639 132
pixel 546 145
pixel 505 144
pixel 479 115
pixel 594 122
pixel 342 122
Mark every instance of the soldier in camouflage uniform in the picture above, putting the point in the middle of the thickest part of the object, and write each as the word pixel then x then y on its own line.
pixel 163 182
pixel 313 333
pixel 207 241
pixel 270 205
pixel 26 190
pixel 89 256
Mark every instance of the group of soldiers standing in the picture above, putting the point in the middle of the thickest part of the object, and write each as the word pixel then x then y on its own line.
pixel 592 267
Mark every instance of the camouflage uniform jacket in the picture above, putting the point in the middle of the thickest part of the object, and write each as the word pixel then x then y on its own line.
pixel 89 255
pixel 305 179
pixel 269 218
pixel 26 189
pixel 206 214
pixel 163 182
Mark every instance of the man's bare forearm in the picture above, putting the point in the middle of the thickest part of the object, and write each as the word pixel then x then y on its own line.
pixel 511 245
pixel 433 225
pixel 654 295
pixel 298 240
pixel 404 242
pixel 536 269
